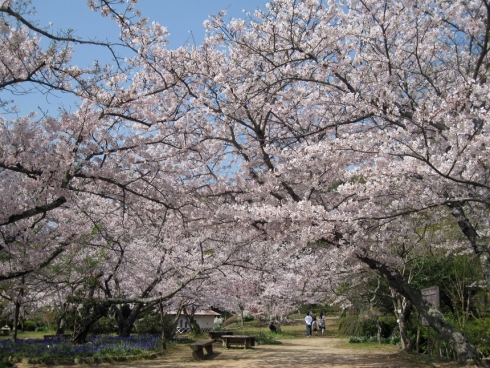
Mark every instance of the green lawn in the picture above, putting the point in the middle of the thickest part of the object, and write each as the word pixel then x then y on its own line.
pixel 29 335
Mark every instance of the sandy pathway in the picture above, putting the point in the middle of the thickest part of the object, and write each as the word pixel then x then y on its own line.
pixel 304 352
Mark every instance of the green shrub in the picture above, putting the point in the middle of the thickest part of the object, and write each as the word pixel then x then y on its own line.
pixel 354 340
pixel 267 339
pixel 353 325
pixel 395 340
pixel 367 327
pixel 104 325
pixel 196 330
pixel 152 324
pixel 347 325
pixel 30 326
pixel 477 331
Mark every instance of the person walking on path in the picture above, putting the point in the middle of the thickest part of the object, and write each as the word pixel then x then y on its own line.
pixel 308 320
pixel 314 325
pixel 322 322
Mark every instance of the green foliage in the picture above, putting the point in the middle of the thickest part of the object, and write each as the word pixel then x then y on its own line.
pixel 478 333
pixel 316 309
pixel 6 364
pixel 390 321
pixel 42 329
pixel 347 325
pixel 371 339
pixel 152 324
pixel 354 325
pixel 267 339
pixel 29 326
pixel 105 325
pixel 196 330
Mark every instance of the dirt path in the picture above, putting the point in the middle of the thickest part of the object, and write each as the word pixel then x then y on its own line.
pixel 303 352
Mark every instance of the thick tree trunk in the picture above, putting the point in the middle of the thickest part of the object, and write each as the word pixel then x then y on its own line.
pixel 16 321
pixel 403 309
pixel 480 244
pixel 61 320
pixel 89 317
pixel 463 348
pixel 126 319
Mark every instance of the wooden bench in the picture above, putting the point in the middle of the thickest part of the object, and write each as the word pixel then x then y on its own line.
pixel 199 346
pixel 216 335
pixel 238 340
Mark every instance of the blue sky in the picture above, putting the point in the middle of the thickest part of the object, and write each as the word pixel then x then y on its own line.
pixel 180 17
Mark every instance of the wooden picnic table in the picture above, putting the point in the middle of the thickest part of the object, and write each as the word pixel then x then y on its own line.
pixel 238 340
pixel 216 335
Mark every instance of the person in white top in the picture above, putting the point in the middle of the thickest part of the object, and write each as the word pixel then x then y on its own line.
pixel 308 320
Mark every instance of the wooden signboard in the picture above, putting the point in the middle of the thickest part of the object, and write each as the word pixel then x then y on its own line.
pixel 432 296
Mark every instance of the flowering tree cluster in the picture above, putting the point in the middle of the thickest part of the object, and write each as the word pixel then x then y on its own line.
pixel 312 141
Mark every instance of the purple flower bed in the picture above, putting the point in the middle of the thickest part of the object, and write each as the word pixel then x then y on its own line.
pixel 96 346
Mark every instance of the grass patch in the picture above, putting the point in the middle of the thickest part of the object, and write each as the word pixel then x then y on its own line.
pixel 29 335
pixel 368 346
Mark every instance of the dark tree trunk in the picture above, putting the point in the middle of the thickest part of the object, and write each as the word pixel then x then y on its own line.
pixel 463 348
pixel 162 321
pixel 16 321
pixel 480 244
pixel 61 320
pixel 126 317
pixel 90 315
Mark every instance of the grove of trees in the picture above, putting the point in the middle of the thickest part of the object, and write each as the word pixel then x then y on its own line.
pixel 295 155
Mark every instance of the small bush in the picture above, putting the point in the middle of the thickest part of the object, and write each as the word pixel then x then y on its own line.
pixel 42 329
pixel 478 333
pixel 30 326
pixel 354 340
pixel 267 339
pixel 395 340
pixel 104 325
pixel 150 325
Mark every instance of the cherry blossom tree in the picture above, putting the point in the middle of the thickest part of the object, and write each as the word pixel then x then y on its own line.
pixel 342 121
pixel 307 142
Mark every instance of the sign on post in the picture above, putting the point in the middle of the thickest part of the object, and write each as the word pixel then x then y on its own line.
pixel 432 296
